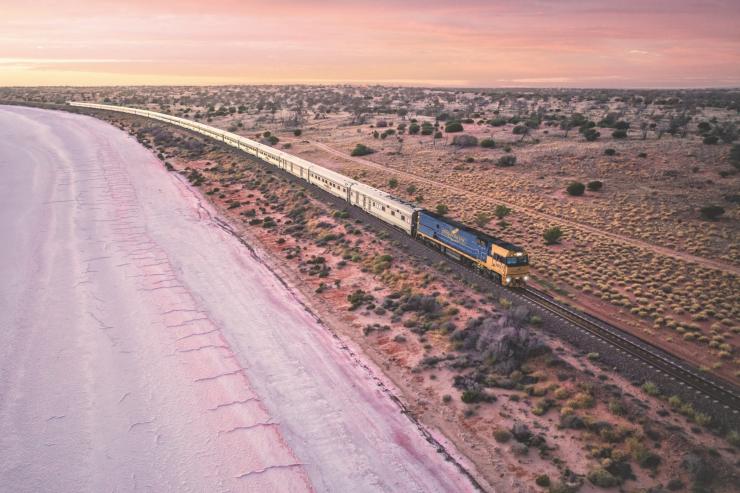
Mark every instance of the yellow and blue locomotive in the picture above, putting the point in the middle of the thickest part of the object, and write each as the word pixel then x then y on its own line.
pixel 501 260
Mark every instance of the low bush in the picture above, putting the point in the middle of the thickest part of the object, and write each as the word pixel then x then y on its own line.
pixel 711 212
pixel 464 140
pixel 602 478
pixel 452 127
pixel 506 161
pixel 552 235
pixel 488 143
pixel 595 185
pixel 575 188
pixel 501 435
pixel 361 150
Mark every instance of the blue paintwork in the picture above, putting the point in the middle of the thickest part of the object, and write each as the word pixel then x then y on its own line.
pixel 468 242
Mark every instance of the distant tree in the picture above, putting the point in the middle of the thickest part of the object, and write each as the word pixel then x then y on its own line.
pixel 595 185
pixel 297 132
pixel 414 128
pixel 361 150
pixel 610 151
pixel 506 161
pixel 402 112
pixel 711 212
pixel 442 209
pixel 488 143
pixel 411 189
pixel 552 235
pixel 501 211
pixel 619 134
pixel 392 183
pixel 575 188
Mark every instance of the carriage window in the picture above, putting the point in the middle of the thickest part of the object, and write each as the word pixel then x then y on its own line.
pixel 402 218
pixel 393 213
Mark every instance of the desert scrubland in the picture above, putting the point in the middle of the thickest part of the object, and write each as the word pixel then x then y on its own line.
pixel 650 242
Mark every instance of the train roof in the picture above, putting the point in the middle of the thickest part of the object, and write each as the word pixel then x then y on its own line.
pixel 481 234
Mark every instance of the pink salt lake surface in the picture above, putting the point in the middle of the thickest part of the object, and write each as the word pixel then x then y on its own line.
pixel 143 348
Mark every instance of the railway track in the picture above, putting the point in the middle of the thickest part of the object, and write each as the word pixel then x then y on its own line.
pixel 652 356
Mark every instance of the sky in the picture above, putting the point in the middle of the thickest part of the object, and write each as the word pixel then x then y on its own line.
pixel 454 43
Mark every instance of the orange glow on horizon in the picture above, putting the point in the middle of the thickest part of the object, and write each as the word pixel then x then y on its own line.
pixel 468 43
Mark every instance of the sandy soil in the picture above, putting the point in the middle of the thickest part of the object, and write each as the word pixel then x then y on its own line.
pixel 144 348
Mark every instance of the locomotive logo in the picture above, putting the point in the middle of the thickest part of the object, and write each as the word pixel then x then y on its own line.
pixel 454 234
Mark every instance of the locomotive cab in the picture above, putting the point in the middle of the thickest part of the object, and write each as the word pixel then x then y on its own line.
pixel 511 263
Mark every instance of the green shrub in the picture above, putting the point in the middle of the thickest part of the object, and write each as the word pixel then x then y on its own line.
pixel 602 478
pixel 506 161
pixel 711 212
pixel 464 140
pixel 501 435
pixel 442 209
pixel 642 455
pixel 451 127
pixel 488 143
pixel 392 183
pixel 575 188
pixel 501 211
pixel 711 139
pixel 733 438
pixel 619 134
pixel 361 150
pixel 552 235
pixel 650 389
pixel 297 132
pixel 591 134
pixel 595 185
pixel 543 480
pixel 610 152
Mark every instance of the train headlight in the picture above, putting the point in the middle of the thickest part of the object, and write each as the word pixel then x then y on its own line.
pixel 526 278
pixel 508 279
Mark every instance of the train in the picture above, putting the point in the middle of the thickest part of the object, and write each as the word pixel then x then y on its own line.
pixel 493 257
